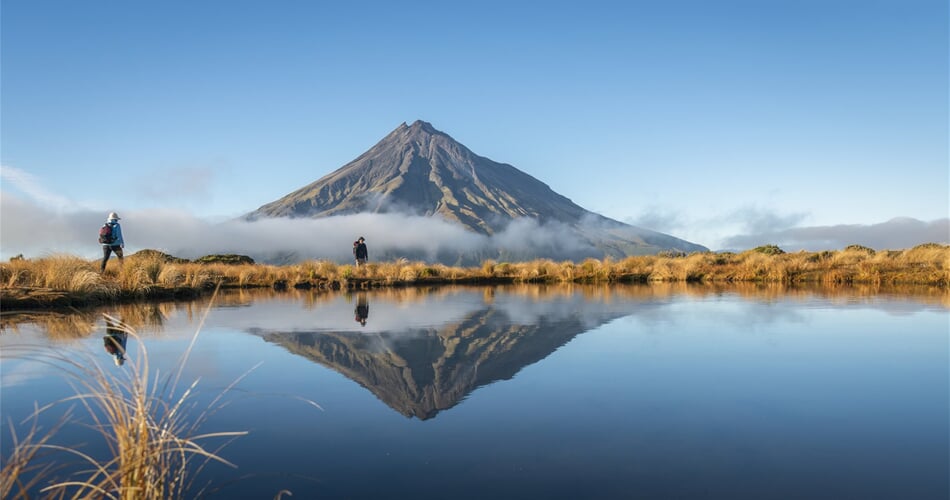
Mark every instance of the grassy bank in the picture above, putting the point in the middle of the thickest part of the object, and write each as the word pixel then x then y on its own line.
pixel 64 280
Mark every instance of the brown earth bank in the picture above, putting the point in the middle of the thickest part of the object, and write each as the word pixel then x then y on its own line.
pixel 29 298
pixel 64 281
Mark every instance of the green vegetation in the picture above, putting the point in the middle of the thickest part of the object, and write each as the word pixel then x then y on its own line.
pixel 860 248
pixel 63 280
pixel 158 255
pixel 230 258
pixel 769 250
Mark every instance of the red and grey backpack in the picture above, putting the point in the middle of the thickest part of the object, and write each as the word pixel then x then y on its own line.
pixel 107 233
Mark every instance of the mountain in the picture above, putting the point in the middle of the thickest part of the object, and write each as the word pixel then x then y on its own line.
pixel 419 170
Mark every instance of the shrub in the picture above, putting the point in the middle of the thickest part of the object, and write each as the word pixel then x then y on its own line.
pixel 922 246
pixel 769 250
pixel 859 248
pixel 157 255
pixel 230 259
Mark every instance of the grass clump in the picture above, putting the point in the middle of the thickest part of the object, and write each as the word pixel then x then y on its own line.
pixel 156 445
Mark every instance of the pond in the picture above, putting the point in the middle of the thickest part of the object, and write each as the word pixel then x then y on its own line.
pixel 645 391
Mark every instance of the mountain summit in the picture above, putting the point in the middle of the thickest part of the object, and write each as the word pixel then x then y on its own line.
pixel 419 170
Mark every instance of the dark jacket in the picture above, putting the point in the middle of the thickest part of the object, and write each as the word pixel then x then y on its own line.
pixel 360 251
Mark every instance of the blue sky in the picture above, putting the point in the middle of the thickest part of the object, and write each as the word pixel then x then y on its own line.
pixel 727 123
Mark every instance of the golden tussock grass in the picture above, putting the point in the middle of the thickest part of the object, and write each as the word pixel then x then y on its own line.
pixel 156 446
pixel 927 264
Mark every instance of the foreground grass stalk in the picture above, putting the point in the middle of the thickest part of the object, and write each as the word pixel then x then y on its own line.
pixel 22 471
pixel 149 424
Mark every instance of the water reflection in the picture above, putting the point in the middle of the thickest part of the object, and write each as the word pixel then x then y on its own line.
pixel 847 383
pixel 906 296
pixel 115 339
pixel 421 371
pixel 361 312
pixel 57 326
pixel 78 324
pixel 471 337
pixel 150 318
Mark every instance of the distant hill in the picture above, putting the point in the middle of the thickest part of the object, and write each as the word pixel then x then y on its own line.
pixel 419 170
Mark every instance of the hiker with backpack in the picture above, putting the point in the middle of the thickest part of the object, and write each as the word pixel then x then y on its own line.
pixel 110 236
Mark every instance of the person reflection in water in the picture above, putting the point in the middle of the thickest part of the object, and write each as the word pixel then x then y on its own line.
pixel 362 308
pixel 115 340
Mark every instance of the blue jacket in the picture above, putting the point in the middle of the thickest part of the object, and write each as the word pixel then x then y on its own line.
pixel 117 232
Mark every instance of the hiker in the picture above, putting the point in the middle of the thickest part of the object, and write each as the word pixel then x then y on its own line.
pixel 110 236
pixel 115 340
pixel 362 309
pixel 359 252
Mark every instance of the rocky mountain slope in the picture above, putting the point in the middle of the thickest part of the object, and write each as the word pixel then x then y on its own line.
pixel 419 170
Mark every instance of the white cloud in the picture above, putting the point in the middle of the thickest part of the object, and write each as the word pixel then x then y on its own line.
pixel 712 230
pixel 33 230
pixel 751 226
pixel 754 219
pixel 32 187
pixel 902 232
pixel 662 219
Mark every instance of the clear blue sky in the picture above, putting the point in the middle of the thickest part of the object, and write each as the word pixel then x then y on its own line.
pixel 709 120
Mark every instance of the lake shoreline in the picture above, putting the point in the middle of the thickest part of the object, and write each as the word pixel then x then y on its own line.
pixel 13 299
pixel 64 281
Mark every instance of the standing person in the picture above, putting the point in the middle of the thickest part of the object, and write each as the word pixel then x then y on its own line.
pixel 360 252
pixel 110 236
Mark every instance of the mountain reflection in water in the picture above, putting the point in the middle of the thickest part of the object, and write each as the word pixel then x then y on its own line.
pixel 421 371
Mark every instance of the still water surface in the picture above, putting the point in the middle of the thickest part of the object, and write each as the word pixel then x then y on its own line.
pixel 666 391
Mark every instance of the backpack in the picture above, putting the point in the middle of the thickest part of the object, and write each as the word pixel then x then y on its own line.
pixel 106 234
